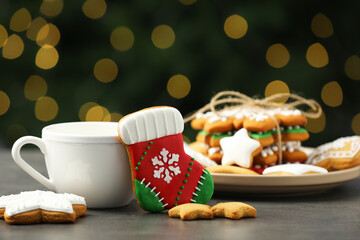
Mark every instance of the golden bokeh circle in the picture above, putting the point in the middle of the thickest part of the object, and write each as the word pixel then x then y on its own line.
pixel 122 38
pixel 178 86
pixel 98 113
pixel 235 26
pixel 163 36
pixel 51 8
pixel 94 9
pixel 316 125
pixel 332 94
pixel 85 108
pixel 352 67
pixel 355 124
pixel 4 103
pixel 46 109
pixel 48 34
pixel 3 35
pixel 105 70
pixel 317 55
pixel 276 87
pixel 35 27
pixel 321 26
pixel 20 20
pixel 13 47
pixel 35 87
pixel 277 55
pixel 47 57
pixel 115 117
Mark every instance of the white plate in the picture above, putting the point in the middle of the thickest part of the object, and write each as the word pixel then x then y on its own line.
pixel 282 185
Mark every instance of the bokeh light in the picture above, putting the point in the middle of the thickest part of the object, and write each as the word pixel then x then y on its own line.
pixel 316 125
pixel 163 36
pixel 3 35
pixel 277 55
pixel 35 27
pixel 51 8
pixel 94 9
pixel 14 132
pixel 4 103
pixel 46 109
pixel 49 34
pixel 115 117
pixel 321 26
pixel 35 87
pixel 21 20
pixel 355 124
pixel 85 108
pixel 352 67
pixel 332 94
pixel 13 47
pixel 98 113
pixel 276 87
pixel 187 2
pixel 178 86
pixel 105 70
pixel 47 57
pixel 122 38
pixel 317 55
pixel 235 26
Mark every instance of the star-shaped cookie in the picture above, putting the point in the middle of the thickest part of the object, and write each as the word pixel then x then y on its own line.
pixel 41 206
pixel 239 149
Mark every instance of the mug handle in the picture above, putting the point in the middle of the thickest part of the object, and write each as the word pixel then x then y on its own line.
pixel 15 152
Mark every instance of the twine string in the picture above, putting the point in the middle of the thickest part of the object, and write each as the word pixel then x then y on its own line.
pixel 239 100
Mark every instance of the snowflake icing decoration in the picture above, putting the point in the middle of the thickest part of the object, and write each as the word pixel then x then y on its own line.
pixel 166 165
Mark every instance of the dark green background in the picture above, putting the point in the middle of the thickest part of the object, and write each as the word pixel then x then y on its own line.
pixel 212 61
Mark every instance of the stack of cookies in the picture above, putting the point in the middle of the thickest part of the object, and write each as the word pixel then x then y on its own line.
pixel 261 126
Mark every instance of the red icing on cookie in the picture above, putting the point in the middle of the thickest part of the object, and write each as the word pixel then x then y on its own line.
pixel 163 163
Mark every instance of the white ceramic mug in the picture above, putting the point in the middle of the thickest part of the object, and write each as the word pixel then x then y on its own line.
pixel 84 158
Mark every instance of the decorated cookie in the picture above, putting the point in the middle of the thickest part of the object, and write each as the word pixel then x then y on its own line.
pixel 215 154
pixel 41 206
pixel 239 149
pixel 266 157
pixel 199 121
pixel 191 211
pixel 219 124
pixel 294 169
pixel 233 210
pixel 202 159
pixel 163 175
pixel 231 170
pixel 216 137
pixel 340 154
pixel 265 138
pixel 204 137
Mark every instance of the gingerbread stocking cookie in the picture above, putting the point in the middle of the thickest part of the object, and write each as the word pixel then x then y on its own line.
pixel 163 175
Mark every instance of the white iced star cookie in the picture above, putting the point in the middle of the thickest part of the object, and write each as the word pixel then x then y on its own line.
pixel 239 149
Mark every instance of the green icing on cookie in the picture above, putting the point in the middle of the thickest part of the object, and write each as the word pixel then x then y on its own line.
pixel 147 199
pixel 203 132
pixel 260 135
pixel 295 130
pixel 215 136
pixel 206 190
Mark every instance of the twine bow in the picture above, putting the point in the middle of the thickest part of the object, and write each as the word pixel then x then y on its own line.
pixel 238 100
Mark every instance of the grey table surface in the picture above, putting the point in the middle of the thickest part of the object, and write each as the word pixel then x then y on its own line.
pixel 331 215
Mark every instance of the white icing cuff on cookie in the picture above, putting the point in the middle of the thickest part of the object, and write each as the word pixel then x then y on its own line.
pixel 150 124
pixel 45 200
pixel 296 169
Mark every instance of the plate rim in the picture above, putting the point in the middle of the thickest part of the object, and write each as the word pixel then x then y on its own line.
pixel 286 180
